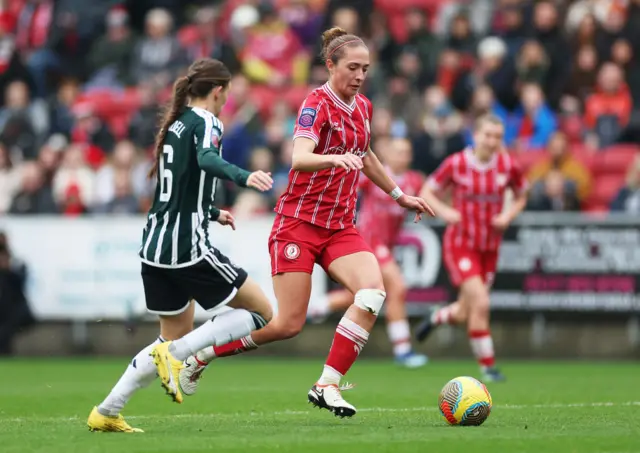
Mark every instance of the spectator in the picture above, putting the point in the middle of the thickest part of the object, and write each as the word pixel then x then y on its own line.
pixel 513 29
pixel 533 123
pixel 426 44
pixel 482 103
pixel 15 313
pixel 112 53
pixel 622 54
pixel 209 44
pixel 612 29
pixel 559 158
pixel 461 37
pixel 34 196
pixel 553 193
pixel 628 198
pixel 50 155
pixel 242 125
pixel 123 200
pixel 125 160
pixel 532 63
pixel 494 69
pixel 60 107
pixel 22 122
pixel 158 56
pixel 584 74
pixel 144 123
pixel 9 180
pixel 547 31
pixel 90 130
pixel 273 54
pixel 74 183
pixel 441 135
pixel 303 20
pixel 608 110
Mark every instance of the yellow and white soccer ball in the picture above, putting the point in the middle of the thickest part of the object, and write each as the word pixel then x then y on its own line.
pixel 465 401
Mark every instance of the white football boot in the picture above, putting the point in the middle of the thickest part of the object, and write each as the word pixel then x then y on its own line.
pixel 330 397
pixel 190 375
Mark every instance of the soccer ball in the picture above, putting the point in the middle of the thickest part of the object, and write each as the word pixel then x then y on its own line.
pixel 465 401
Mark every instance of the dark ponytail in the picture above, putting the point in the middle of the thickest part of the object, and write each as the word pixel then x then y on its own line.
pixel 171 114
pixel 202 76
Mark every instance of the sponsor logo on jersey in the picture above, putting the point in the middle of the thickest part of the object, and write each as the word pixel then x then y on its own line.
pixel 307 117
pixel 464 264
pixel 291 251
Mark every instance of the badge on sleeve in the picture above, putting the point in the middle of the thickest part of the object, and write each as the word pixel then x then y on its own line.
pixel 215 137
pixel 307 117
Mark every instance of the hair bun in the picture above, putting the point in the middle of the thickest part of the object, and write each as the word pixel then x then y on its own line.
pixel 331 34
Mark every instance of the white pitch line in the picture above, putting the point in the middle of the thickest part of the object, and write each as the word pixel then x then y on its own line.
pixel 296 413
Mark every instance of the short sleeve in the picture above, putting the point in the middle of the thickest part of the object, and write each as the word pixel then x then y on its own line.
pixel 517 181
pixel 443 175
pixel 208 133
pixel 311 118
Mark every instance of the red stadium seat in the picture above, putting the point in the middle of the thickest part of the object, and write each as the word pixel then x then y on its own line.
pixel 528 159
pixel 605 189
pixel 615 159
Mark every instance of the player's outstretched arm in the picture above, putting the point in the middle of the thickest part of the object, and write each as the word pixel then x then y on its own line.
pixel 375 171
pixel 442 210
pixel 304 159
pixel 210 161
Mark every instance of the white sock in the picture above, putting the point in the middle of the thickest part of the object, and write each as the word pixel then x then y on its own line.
pixel 139 374
pixel 220 330
pixel 329 376
pixel 400 336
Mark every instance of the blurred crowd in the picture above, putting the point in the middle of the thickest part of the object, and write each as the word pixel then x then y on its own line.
pixel 82 84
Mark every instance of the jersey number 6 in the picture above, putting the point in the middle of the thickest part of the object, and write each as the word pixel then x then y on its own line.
pixel 166 176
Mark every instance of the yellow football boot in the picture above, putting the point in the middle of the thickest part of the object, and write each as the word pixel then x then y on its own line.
pixel 109 424
pixel 169 370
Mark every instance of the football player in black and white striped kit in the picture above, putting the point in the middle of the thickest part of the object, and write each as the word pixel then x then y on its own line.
pixel 179 262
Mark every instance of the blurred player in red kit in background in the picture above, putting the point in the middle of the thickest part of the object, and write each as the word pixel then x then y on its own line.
pixel 479 177
pixel 315 222
pixel 379 222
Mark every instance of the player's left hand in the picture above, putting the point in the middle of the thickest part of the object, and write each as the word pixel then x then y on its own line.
pixel 415 204
pixel 226 218
pixel 500 222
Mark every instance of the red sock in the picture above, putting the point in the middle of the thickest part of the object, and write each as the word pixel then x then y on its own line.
pixel 235 347
pixel 482 347
pixel 348 341
pixel 442 316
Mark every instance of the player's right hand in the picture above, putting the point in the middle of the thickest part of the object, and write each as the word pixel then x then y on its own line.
pixel 260 180
pixel 451 216
pixel 347 161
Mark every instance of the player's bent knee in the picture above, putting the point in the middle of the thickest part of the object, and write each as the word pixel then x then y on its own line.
pixel 287 331
pixel 480 306
pixel 370 300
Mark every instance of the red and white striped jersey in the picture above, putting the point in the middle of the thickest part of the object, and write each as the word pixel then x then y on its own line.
pixel 478 194
pixel 327 198
pixel 380 218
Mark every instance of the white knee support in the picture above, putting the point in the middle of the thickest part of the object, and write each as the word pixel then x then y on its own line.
pixel 370 300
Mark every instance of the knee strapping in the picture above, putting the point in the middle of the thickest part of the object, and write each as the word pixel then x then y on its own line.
pixel 370 300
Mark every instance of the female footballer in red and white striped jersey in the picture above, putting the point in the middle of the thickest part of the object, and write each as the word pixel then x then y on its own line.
pixel 380 222
pixel 315 219
pixel 479 177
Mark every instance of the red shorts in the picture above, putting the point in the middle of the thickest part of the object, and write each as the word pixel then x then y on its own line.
pixel 463 264
pixel 296 245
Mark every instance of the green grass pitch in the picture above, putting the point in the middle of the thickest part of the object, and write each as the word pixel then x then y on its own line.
pixel 260 405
